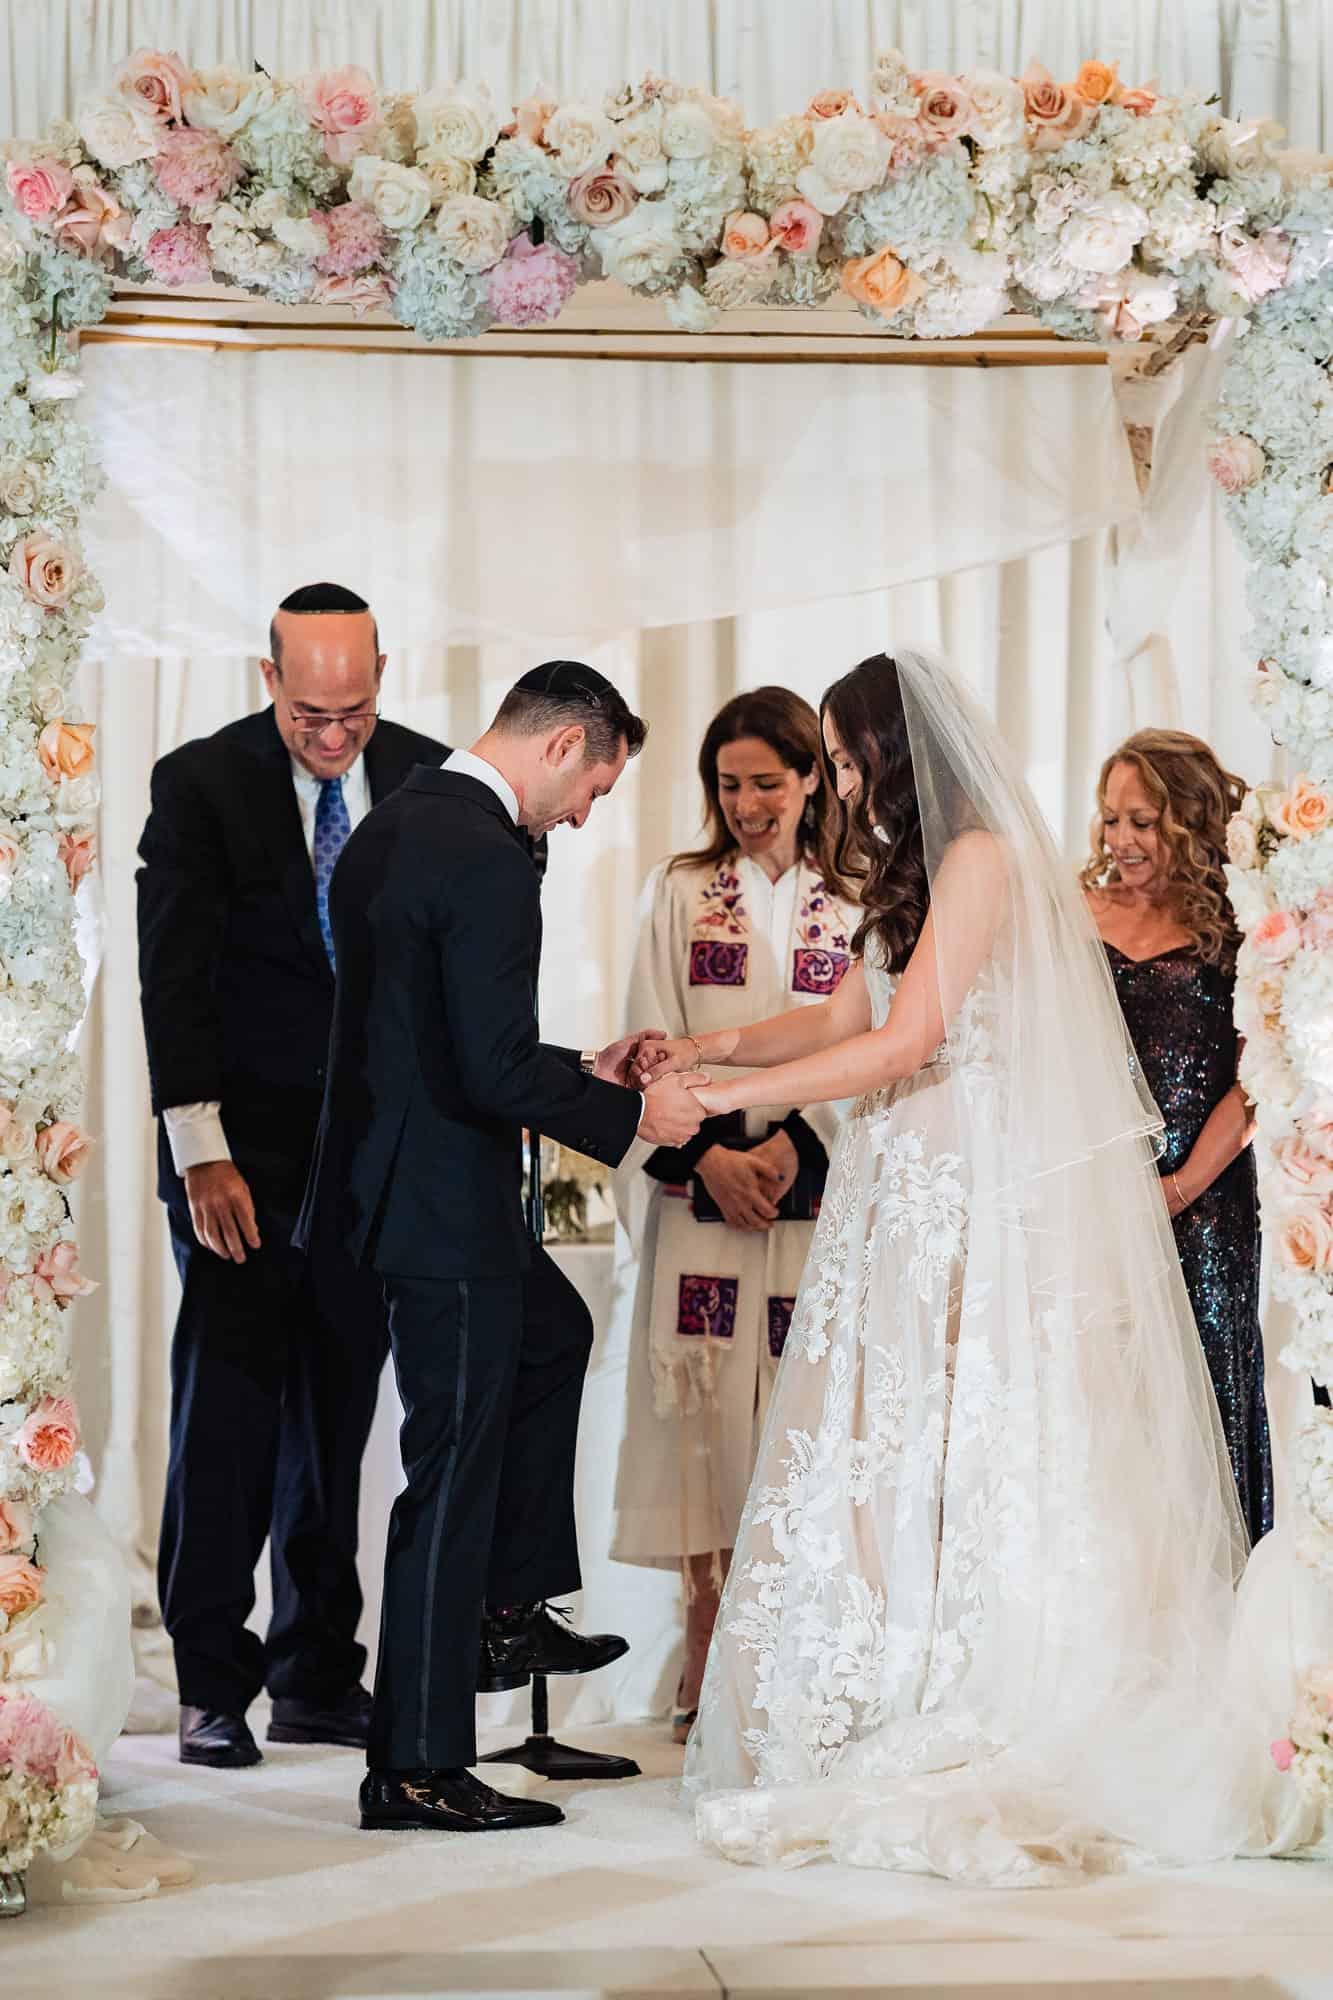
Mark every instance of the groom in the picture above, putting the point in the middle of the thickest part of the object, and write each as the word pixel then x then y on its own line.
pixel 434 1069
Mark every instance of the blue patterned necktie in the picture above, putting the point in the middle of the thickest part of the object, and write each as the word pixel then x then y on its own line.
pixel 332 827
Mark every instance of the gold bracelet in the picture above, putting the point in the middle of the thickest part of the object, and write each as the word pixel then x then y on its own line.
pixel 1180 1193
pixel 698 1050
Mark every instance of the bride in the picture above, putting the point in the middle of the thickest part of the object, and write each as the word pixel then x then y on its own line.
pixel 981 1615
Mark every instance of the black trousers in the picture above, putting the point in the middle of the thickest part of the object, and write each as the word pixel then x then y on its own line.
pixel 490 1372
pixel 275 1368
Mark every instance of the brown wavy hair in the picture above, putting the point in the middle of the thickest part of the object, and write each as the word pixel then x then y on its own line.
pixel 790 728
pixel 866 708
pixel 1195 797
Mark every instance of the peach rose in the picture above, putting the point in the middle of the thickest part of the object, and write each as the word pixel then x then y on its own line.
pixel 20 1586
pixel 796 227
pixel 1236 463
pixel 1054 114
pixel 1097 82
pixel 344 106
pixel 49 1438
pixel 56 1274
pixel 156 83
pixel 92 222
pixel 62 1151
pixel 600 198
pixel 745 234
pixel 831 104
pixel 944 109
pixel 1306 1238
pixel 1276 937
pixel 45 569
pixel 1305 810
pixel 66 749
pixel 882 282
pixel 1303 1170
pixel 530 117
pixel 1140 101
pixel 39 189
pixel 365 292
pixel 77 851
pixel 18 1137
pixel 16 1526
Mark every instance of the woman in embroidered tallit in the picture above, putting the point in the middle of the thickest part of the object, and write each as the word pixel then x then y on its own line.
pixel 756 920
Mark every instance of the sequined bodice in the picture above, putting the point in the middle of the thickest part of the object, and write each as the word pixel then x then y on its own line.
pixel 1178 1012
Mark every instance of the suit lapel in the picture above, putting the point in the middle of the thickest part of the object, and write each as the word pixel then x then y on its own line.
pixel 277 822
pixel 388 761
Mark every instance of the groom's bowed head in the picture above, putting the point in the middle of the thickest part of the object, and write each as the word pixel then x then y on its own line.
pixel 561 737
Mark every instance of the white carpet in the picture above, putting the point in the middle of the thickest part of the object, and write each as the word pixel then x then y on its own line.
pixel 293 1902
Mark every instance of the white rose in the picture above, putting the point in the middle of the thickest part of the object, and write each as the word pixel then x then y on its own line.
pixel 20 484
pixel 688 132
pixel 116 131
pixel 1151 297
pixel 849 155
pixel 580 138
pixel 1242 844
pixel 269 209
pixel 689 310
pixel 998 107
pixel 301 236
pixel 473 231
pixel 461 119
pixel 224 102
pixel 11 251
pixel 639 156
pixel 49 699
pixel 78 797
pixel 446 173
pixel 642 248
pixel 1101 236
pixel 400 196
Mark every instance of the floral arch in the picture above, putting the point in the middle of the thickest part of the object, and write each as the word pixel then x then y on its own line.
pixel 936 204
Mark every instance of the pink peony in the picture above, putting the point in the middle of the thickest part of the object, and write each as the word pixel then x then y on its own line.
pixel 20 1586
pixel 356 240
pixel 1276 937
pixel 16 1526
pixel 343 105
pixel 49 1438
pixel 366 292
pixel 796 227
pixel 180 256
pixel 77 852
pixel 62 1151
pixel 531 282
pixel 39 189
pixel 56 1274
pixel 196 168
pixel 1283 1753
pixel 1236 463
pixel 944 109
pixel 30 1737
pixel 156 82
pixel 600 198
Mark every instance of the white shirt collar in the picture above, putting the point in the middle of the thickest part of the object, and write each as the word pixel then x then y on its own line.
pixel 469 766
pixel 306 781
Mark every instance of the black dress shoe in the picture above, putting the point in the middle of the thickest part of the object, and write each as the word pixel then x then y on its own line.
pixel 527 1639
pixel 208 1736
pixel 445 1802
pixel 345 1719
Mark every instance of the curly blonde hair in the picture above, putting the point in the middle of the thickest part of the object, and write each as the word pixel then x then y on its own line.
pixel 1195 798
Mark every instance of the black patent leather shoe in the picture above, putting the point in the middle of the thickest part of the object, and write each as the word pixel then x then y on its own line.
pixel 528 1639
pixel 345 1720
pixel 446 1802
pixel 208 1736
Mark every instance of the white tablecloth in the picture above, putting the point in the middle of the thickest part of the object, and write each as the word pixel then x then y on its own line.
pixel 644 1604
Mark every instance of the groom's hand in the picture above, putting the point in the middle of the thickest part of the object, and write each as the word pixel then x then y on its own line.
pixel 222 1209
pixel 663 1056
pixel 672 1113
pixel 620 1062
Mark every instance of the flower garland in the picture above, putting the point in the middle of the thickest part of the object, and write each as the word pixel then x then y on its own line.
pixel 938 204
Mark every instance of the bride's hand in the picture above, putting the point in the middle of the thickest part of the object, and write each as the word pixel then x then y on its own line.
pixel 714 1098
pixel 663 1056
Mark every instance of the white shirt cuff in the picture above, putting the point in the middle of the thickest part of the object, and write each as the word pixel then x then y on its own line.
pixel 195 1135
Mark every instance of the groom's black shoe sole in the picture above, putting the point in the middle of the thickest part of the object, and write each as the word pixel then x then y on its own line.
pixel 513 1649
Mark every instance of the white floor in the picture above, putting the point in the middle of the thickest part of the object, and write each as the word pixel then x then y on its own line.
pixel 293 1902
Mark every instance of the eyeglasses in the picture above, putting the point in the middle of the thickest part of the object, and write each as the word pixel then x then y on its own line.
pixel 316 725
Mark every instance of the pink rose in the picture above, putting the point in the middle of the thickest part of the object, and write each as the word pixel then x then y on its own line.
pixel 831 104
pixel 16 1526
pixel 944 109
pixel 1283 1753
pixel 531 283
pixel 1306 1237
pixel 196 168
pixel 156 82
pixel 744 235
pixel 180 256
pixel 1055 115
pixel 366 291
pixel 908 142
pixel 1303 1170
pixel 1276 937
pixel 56 1274
pixel 1236 462
pixel 343 105
pixel 600 198
pixel 1257 263
pixel 49 1438
pixel 62 1151
pixel 356 240
pixel 1140 100
pixel 796 227
pixel 39 189
pixel 1304 810
pixel 92 223
pixel 30 1737
pixel 45 569
pixel 20 1586
pixel 66 749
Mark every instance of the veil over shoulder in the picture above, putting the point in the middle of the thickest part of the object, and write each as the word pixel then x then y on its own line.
pixel 981 1618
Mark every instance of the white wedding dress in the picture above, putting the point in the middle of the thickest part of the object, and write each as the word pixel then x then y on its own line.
pixel 981 1615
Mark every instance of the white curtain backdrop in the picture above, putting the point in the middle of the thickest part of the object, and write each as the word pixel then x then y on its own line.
pixel 764 569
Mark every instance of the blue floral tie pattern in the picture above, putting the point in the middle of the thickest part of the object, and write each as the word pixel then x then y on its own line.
pixel 332 827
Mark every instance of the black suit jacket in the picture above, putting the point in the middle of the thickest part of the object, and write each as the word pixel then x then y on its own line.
pixel 235 984
pixel 435 1063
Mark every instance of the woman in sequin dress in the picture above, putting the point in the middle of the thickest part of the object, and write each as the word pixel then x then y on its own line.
pixel 1158 896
